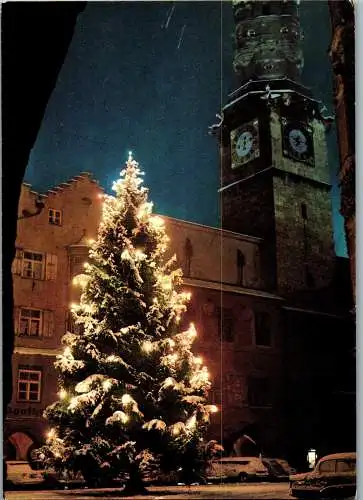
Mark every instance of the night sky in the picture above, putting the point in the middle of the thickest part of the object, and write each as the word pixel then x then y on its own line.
pixel 147 77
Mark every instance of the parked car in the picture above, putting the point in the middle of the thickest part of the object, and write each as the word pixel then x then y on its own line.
pixel 20 472
pixel 334 476
pixel 237 469
pixel 279 469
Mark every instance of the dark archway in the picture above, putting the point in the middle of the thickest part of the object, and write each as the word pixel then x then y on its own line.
pixel 246 442
pixel 9 450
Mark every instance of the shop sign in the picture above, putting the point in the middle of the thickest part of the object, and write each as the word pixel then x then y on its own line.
pixel 30 411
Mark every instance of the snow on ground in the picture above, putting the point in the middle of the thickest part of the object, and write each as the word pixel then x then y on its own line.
pixel 262 491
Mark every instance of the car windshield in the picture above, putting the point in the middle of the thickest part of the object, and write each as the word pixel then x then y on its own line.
pixel 274 467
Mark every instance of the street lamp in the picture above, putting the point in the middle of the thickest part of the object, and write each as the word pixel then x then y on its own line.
pixel 311 457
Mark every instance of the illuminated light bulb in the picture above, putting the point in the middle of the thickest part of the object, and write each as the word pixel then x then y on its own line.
pixel 147 346
pixel 73 305
pixel 90 241
pixel 51 434
pixel 213 409
pixel 126 399
pixel 62 394
pixel 67 351
pixel 100 196
pixel 107 384
pixel 192 331
pixel 125 255
pixel 171 343
pixel 124 418
pixel 85 264
pixel 130 156
pixel 198 360
pixel 176 430
pixel 57 455
pixel 173 357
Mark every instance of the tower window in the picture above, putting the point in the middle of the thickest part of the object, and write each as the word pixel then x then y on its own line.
pixel 304 211
pixel 240 267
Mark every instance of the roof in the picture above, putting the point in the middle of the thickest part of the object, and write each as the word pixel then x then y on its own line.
pixel 336 456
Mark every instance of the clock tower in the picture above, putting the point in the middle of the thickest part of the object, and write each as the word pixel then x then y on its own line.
pixel 275 180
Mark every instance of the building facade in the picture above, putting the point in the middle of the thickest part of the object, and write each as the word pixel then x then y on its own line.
pixel 255 360
pixel 266 295
pixel 50 247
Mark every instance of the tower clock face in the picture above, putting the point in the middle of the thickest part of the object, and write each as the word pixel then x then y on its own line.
pixel 245 144
pixel 298 142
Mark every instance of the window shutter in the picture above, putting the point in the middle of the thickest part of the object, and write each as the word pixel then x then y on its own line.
pixel 17 262
pixel 51 266
pixel 48 324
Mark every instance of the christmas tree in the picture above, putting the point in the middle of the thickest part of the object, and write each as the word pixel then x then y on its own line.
pixel 132 394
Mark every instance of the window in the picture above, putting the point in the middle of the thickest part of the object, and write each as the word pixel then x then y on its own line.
pixel 225 324
pixel 259 391
pixel 215 396
pixel 346 465
pixel 188 255
pixel 77 263
pixel 55 217
pixel 240 268
pixel 35 323
pixel 30 322
pixel 304 211
pixel 72 326
pixel 262 329
pixel 327 466
pixel 28 388
pixel 33 265
pixel 309 278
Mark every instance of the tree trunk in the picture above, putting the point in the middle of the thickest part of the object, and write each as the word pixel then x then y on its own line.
pixel 134 485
